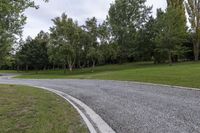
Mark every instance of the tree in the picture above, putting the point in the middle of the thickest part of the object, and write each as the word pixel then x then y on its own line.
pixel 171 33
pixel 107 47
pixel 22 55
pixel 91 28
pixel 109 53
pixel 93 55
pixel 42 41
pixel 12 19
pixel 193 10
pixel 145 39
pixel 175 3
pixel 33 52
pixel 126 17
pixel 53 55
pixel 64 37
pixel 104 33
pixel 83 47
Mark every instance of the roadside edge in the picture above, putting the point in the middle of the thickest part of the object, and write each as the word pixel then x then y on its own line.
pixel 100 125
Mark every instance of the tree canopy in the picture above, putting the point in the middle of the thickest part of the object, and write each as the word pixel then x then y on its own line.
pixel 12 19
pixel 129 33
pixel 193 10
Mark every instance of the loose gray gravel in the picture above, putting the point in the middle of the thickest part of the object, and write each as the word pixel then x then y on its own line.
pixel 131 107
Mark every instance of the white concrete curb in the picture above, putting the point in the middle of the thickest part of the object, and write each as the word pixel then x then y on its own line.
pixel 98 126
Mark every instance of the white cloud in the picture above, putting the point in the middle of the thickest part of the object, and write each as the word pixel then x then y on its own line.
pixel 79 10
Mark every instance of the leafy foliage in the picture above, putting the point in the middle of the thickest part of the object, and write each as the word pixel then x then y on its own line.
pixel 128 34
pixel 193 10
pixel 171 33
pixel 126 18
pixel 33 53
pixel 12 19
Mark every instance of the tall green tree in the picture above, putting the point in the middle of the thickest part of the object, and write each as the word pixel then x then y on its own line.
pixel 64 37
pixel 94 55
pixel 107 48
pixel 33 52
pixel 171 33
pixel 126 17
pixel 42 41
pixel 104 33
pixel 91 28
pixel 22 55
pixel 12 19
pixel 179 6
pixel 175 3
pixel 84 43
pixel 193 10
pixel 145 39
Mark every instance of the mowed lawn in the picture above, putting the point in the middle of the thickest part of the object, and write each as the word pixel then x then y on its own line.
pixel 31 110
pixel 181 74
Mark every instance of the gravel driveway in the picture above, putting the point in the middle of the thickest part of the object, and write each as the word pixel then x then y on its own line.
pixel 132 107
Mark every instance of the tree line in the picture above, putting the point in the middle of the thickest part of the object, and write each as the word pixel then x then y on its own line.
pixel 130 33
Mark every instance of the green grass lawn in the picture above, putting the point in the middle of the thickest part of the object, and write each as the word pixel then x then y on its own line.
pixel 182 74
pixel 30 110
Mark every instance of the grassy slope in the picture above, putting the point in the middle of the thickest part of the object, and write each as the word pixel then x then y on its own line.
pixel 26 109
pixel 185 74
pixel 182 74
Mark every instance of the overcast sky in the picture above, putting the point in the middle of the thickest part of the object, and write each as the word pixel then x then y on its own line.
pixel 79 10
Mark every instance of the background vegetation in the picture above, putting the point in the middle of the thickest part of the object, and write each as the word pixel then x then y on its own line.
pixel 129 34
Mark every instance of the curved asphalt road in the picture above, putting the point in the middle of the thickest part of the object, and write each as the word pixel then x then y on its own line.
pixel 132 107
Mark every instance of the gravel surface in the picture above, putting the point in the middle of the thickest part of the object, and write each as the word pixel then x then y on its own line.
pixel 131 107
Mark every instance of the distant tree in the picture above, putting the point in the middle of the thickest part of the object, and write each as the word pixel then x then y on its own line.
pixel 104 33
pixel 94 55
pixel 23 55
pixel 126 18
pixel 193 10
pixel 65 38
pixel 33 52
pixel 42 41
pixel 83 48
pixel 12 19
pixel 109 53
pixel 171 34
pixel 176 4
pixel 145 38
pixel 91 28
pixel 106 47
pixel 53 55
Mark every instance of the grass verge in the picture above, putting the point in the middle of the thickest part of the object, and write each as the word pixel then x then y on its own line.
pixel 181 74
pixel 30 110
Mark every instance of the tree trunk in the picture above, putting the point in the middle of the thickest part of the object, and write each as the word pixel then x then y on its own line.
pixel 64 67
pixel 27 67
pixel 53 66
pixel 88 63
pixel 70 67
pixel 79 64
pixel 196 51
pixel 93 65
pixel 170 58
pixel 17 68
pixel 36 70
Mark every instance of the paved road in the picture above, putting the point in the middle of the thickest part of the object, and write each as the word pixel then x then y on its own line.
pixel 132 107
